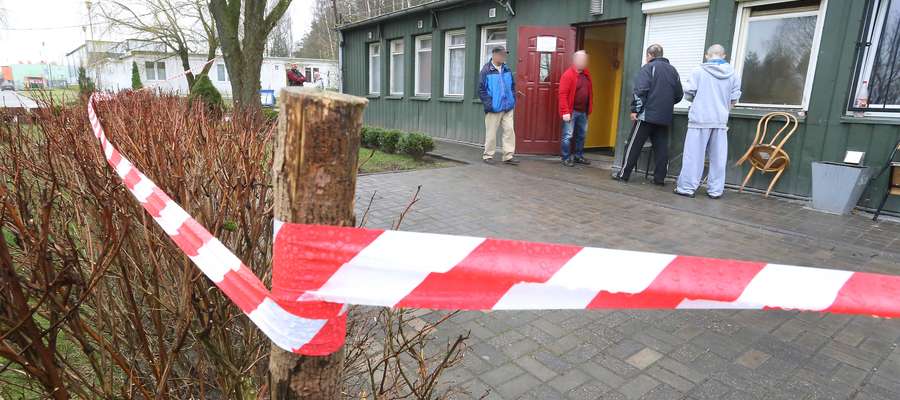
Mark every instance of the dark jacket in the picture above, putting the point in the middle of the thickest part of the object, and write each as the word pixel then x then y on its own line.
pixel 497 88
pixel 657 88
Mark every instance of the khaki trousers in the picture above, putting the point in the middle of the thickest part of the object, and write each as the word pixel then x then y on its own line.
pixel 492 121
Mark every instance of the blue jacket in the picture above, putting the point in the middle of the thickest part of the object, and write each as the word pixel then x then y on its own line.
pixel 497 88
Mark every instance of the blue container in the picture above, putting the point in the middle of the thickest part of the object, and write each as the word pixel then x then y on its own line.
pixel 267 97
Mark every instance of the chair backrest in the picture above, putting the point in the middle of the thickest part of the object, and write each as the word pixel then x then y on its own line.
pixel 782 135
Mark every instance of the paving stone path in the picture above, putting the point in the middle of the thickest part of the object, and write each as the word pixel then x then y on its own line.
pixel 651 354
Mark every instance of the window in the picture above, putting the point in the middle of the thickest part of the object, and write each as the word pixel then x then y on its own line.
pixel 454 63
pixel 155 71
pixel 877 84
pixel 375 68
pixel 220 73
pixel 423 66
pixel 776 51
pixel 682 34
pixel 396 67
pixel 491 36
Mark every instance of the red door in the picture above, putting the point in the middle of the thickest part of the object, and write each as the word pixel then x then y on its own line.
pixel 544 53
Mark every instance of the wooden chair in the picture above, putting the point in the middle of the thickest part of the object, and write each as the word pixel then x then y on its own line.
pixel 893 188
pixel 770 156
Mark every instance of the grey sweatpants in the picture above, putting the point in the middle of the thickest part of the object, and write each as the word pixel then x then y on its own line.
pixel 695 144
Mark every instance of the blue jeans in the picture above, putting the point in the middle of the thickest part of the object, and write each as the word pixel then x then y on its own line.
pixel 577 125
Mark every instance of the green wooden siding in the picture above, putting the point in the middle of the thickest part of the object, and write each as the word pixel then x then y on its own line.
pixel 825 132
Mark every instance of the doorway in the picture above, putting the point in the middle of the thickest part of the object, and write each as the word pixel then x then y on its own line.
pixel 605 44
pixel 544 53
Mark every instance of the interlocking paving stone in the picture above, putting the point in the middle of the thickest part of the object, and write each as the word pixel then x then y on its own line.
pixel 638 387
pixel 644 358
pixel 703 354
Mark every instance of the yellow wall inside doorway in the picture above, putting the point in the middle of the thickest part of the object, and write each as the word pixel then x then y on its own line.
pixel 606 47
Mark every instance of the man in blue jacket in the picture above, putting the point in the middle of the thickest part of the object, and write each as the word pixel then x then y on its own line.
pixel 657 88
pixel 497 88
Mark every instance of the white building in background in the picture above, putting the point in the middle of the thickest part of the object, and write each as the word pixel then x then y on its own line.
pixel 109 65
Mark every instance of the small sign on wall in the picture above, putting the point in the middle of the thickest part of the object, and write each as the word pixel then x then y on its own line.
pixel 492 12
pixel 370 35
pixel 546 44
pixel 420 24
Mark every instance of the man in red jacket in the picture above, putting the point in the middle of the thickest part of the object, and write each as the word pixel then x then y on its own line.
pixel 576 101
pixel 295 77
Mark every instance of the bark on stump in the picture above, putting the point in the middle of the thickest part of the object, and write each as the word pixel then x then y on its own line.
pixel 316 153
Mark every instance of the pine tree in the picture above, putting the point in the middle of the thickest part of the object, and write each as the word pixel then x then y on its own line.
pixel 207 93
pixel 135 77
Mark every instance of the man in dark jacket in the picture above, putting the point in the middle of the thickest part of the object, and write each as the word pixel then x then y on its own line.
pixel 497 88
pixel 657 88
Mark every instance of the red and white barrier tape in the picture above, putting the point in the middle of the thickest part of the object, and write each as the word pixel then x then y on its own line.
pixel 316 268
pixel 220 265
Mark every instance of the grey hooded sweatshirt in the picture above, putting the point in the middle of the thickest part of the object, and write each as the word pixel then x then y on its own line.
pixel 711 90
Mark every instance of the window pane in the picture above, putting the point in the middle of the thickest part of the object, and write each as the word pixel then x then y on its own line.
pixel 884 83
pixel 546 59
pixel 161 71
pixel 456 40
pixel 776 60
pixel 423 63
pixel 397 74
pixel 149 71
pixel 457 71
pixel 425 44
pixel 496 34
pixel 220 72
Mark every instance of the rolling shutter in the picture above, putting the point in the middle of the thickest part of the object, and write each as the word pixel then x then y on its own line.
pixel 682 35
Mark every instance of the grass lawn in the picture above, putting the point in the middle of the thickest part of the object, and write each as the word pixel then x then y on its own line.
pixel 384 162
pixel 66 95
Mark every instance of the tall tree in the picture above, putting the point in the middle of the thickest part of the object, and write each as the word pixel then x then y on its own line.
pixel 243 27
pixel 281 37
pixel 183 26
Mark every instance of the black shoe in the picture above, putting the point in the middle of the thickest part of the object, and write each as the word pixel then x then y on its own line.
pixel 714 197
pixel 511 161
pixel 582 160
pixel 691 195
pixel 568 162
pixel 489 161
pixel 620 178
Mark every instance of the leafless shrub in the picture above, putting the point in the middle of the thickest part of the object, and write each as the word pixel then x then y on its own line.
pixel 97 303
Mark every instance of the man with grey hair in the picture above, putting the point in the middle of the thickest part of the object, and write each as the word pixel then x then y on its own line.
pixel 657 88
pixel 712 90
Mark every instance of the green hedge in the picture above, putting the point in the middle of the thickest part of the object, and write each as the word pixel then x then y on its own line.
pixel 413 144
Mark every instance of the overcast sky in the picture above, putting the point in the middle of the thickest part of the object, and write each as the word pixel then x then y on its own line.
pixel 40 30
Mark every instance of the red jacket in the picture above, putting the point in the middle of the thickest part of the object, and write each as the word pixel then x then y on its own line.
pixel 567 85
pixel 295 78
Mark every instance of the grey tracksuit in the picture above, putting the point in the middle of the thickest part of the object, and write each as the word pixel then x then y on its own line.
pixel 712 89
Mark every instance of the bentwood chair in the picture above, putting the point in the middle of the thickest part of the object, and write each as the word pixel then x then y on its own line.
pixel 893 188
pixel 766 154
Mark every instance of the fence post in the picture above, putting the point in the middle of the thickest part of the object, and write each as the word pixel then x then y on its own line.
pixel 314 182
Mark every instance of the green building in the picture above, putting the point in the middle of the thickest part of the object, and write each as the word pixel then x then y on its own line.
pixel 814 58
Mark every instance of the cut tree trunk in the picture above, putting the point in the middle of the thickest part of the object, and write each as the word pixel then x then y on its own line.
pixel 315 182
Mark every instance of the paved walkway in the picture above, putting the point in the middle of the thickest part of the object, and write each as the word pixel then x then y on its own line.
pixel 651 354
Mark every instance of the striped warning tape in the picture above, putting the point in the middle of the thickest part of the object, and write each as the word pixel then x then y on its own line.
pixel 318 268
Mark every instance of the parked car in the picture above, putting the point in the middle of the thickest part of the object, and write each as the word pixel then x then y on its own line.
pixel 7 85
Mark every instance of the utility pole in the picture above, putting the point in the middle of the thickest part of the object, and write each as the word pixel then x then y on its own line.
pixel 315 168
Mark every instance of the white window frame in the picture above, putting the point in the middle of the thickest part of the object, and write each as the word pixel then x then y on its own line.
pixel 154 66
pixel 865 62
pixel 392 65
pixel 224 72
pixel 738 48
pixel 484 51
pixel 662 8
pixel 375 91
pixel 416 89
pixel 447 48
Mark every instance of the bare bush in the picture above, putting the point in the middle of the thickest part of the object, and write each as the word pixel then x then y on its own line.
pixel 97 303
